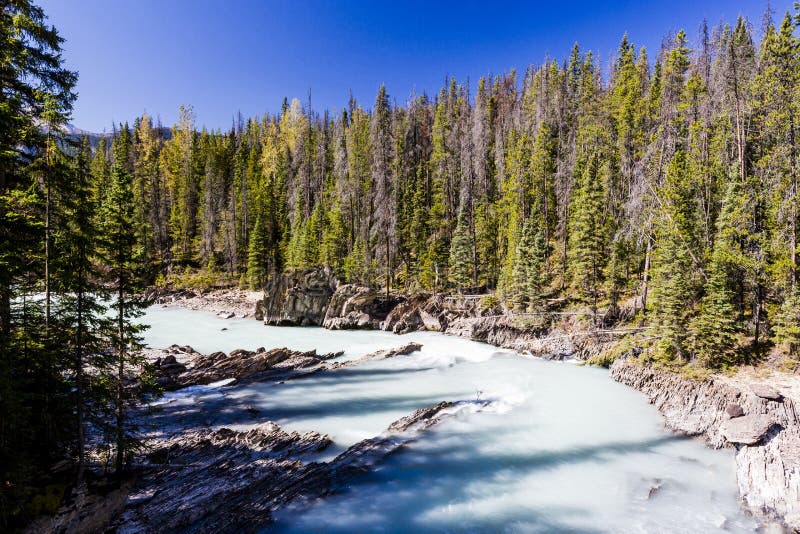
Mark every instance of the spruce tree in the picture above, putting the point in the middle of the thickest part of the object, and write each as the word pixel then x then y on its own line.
pixel 461 264
pixel 81 316
pixel 588 235
pixel 787 323
pixel 714 332
pixel 124 257
pixel 37 97
pixel 257 256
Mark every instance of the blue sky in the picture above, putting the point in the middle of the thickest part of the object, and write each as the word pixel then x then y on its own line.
pixel 246 55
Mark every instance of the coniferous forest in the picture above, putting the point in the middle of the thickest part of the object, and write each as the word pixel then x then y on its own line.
pixel 666 180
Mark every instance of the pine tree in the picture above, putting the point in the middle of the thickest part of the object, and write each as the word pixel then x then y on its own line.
pixel 35 425
pixel 124 257
pixel 81 315
pixel 787 323
pixel 588 235
pixel 674 282
pixel 529 267
pixel 714 332
pixel 257 256
pixel 461 247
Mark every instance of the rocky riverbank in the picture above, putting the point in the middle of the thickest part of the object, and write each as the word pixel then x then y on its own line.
pixel 194 474
pixel 755 415
pixel 234 481
pixel 179 367
pixel 740 412
pixel 227 303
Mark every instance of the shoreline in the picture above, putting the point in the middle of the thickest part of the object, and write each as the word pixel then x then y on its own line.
pixel 227 303
pixel 767 469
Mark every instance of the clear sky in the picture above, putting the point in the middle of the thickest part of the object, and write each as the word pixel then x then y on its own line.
pixel 246 55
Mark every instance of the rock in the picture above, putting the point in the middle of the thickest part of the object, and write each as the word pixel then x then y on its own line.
pixel 654 488
pixel 259 311
pixel 748 429
pixel 734 410
pixel 169 359
pixel 298 298
pixel 403 350
pixel 766 392
pixel 768 469
pixel 234 481
pixel 226 315
pixel 240 364
pixel 357 307
pixel 430 322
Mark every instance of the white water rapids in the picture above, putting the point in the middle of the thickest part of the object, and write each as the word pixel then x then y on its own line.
pixel 562 448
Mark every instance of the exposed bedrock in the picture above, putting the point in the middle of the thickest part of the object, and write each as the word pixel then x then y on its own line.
pixel 194 368
pixel 740 412
pixel 240 364
pixel 298 298
pixel 233 481
pixel 356 307
pixel 313 298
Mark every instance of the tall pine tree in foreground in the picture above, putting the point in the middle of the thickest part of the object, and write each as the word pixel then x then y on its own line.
pixel 35 406
pixel 124 257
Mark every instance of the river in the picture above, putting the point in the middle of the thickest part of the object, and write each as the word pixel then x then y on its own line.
pixel 561 448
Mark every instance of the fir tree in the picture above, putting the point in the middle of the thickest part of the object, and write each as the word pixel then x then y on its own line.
pixel 714 332
pixel 588 235
pixel 787 323
pixel 257 256
pixel 124 257
pixel 461 247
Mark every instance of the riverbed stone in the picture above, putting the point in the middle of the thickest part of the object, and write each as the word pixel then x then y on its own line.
pixel 766 392
pixel 748 429
pixel 734 410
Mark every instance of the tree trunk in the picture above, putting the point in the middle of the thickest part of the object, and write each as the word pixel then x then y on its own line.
pixel 46 252
pixel 120 459
pixel 79 349
pixel 646 277
pixel 388 266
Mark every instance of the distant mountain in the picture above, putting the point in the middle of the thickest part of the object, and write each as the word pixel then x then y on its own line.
pixel 74 130
pixel 94 137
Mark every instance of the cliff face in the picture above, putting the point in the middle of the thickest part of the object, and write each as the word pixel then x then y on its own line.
pixel 298 298
pixel 740 412
pixel 354 307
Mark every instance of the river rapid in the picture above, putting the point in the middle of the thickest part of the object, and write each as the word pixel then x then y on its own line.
pixel 560 448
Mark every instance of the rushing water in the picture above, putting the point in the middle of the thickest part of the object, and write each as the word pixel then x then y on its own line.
pixel 562 448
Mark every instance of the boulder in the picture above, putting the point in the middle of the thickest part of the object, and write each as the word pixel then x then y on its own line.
pixel 405 317
pixel 430 321
pixel 734 410
pixel 747 429
pixel 298 298
pixel 354 307
pixel 766 392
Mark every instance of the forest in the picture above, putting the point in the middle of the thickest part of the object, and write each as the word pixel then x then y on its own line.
pixel 666 180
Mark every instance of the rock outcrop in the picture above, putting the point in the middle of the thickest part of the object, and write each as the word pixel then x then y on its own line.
pixel 378 355
pixel 239 364
pixel 250 366
pixel 354 307
pixel 233 481
pixel 766 436
pixel 298 298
